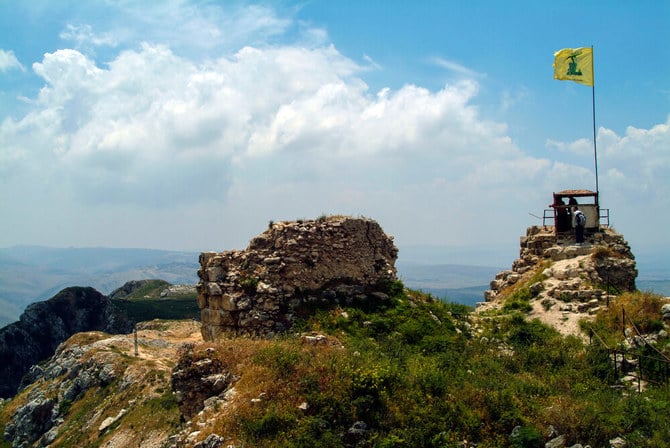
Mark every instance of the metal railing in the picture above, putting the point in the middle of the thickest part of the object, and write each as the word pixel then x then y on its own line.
pixel 603 218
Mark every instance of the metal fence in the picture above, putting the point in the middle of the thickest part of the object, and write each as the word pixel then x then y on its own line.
pixel 650 365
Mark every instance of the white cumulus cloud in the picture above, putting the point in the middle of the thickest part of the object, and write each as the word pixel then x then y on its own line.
pixel 181 148
pixel 8 61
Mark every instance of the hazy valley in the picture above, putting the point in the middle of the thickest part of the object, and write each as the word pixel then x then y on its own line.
pixel 33 273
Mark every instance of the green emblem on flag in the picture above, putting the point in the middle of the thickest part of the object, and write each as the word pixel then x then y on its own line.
pixel 573 70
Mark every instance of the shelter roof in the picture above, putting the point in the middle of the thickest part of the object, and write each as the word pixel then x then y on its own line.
pixel 576 193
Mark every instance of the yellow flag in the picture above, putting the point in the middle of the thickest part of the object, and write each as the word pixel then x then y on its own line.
pixel 574 64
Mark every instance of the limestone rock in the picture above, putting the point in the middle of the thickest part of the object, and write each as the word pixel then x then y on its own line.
pixel 618 442
pixel 212 441
pixel 571 274
pixel 556 442
pixel 30 421
pixel 197 378
pixel 665 311
pixel 356 434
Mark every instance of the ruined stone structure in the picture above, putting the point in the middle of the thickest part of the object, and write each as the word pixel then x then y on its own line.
pixel 292 266
pixel 575 280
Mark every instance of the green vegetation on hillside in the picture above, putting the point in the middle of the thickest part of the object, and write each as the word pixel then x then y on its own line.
pixel 422 373
pixel 411 371
pixel 140 310
pixel 140 290
pixel 145 302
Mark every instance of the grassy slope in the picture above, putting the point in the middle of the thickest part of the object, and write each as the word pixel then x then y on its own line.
pixel 419 373
pixel 146 303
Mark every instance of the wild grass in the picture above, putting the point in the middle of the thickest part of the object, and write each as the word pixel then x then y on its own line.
pixel 420 372
pixel 636 310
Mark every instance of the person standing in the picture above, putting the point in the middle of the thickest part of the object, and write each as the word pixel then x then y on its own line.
pixel 579 222
pixel 562 214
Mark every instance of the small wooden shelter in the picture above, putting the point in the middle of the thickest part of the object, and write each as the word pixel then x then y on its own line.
pixel 563 207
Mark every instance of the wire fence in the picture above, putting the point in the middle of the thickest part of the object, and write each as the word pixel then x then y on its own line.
pixel 646 363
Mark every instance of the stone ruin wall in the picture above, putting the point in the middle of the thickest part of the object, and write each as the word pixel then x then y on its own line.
pixel 576 275
pixel 260 290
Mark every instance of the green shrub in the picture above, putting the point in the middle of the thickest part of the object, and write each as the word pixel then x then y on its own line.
pixel 278 357
pixel 526 333
pixel 249 284
pixel 502 410
pixel 394 288
pixel 271 423
pixel 527 437
pixel 315 432
pixel 519 301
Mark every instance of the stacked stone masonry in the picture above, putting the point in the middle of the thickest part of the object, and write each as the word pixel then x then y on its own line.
pixel 291 266
pixel 577 277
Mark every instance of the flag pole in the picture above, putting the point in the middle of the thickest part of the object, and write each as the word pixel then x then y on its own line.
pixel 593 108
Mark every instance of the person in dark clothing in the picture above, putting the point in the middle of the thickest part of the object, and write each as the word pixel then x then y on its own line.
pixel 579 221
pixel 562 216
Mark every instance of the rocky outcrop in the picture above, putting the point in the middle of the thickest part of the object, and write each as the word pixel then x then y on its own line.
pixel 574 271
pixel 573 280
pixel 44 325
pixel 38 419
pixel 541 244
pixel 118 387
pixel 197 378
pixel 290 267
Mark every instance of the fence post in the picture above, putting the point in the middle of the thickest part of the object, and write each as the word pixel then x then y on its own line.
pixel 639 374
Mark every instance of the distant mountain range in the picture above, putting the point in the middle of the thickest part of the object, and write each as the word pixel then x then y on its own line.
pixel 33 273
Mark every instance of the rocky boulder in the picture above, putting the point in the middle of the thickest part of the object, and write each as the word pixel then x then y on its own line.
pixel 292 266
pixel 44 325
pixel 196 378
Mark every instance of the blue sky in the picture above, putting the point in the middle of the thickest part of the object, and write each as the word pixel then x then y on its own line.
pixel 189 125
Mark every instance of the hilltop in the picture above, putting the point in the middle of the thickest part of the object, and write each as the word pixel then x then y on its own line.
pixel 378 367
pixel 560 283
pixel 45 324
